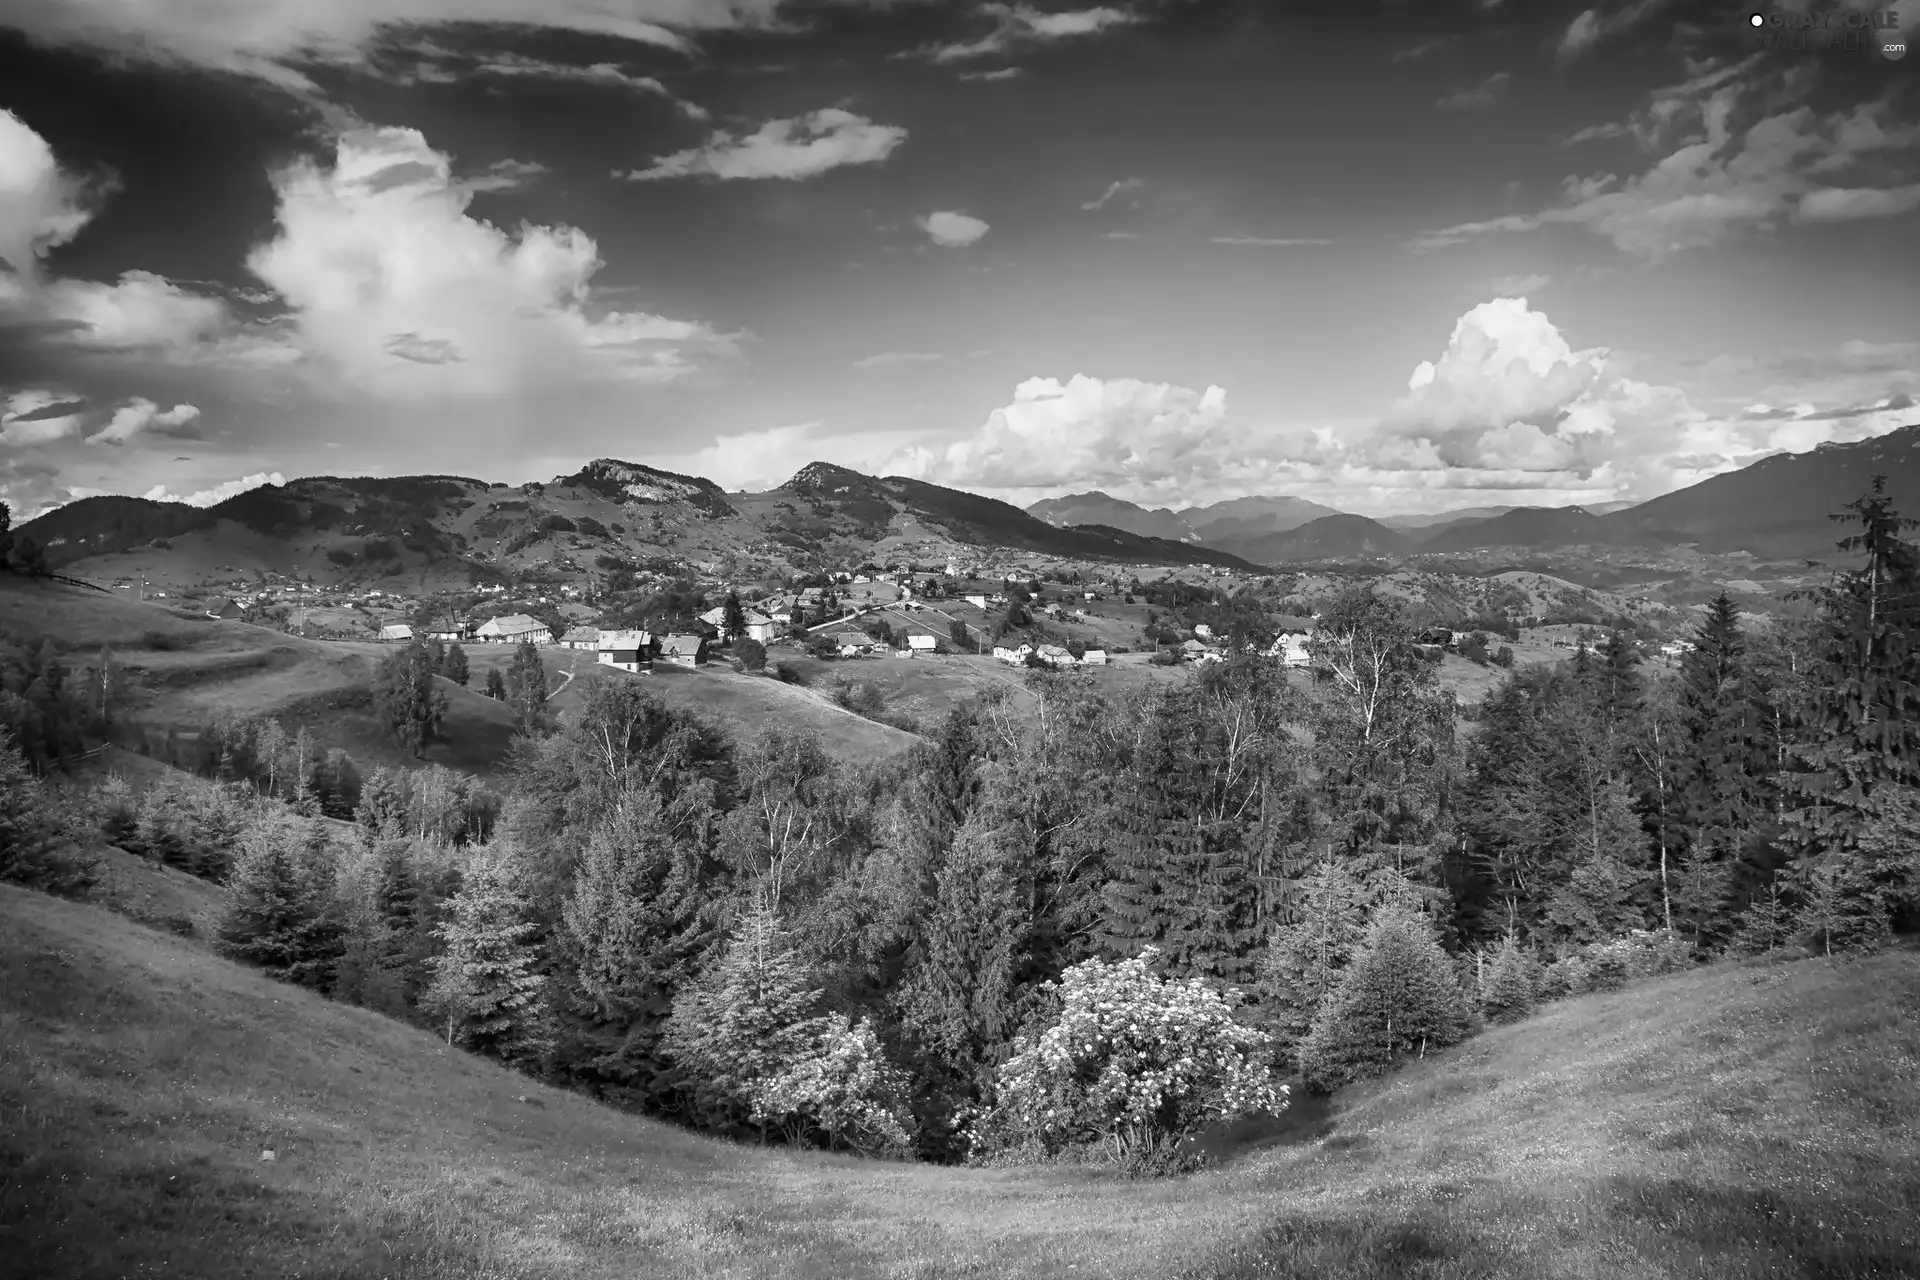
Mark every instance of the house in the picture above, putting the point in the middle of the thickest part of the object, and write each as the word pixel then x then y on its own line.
pixel 626 650
pixel 581 638
pixel 396 631
pixel 850 643
pixel 221 607
pixel 513 628
pixel 684 651
pixel 1094 658
pixel 1016 657
pixel 922 643
pixel 1055 655
pixel 759 626
pixel 1292 650
pixel 447 630
pixel 978 602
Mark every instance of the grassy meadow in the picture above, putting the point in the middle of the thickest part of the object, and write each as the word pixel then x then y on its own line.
pixel 1744 1121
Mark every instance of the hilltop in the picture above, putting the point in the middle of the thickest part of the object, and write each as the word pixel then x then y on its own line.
pixel 447 532
pixel 1736 1121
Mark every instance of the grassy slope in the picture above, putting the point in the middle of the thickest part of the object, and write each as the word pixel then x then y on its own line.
pixel 1744 1121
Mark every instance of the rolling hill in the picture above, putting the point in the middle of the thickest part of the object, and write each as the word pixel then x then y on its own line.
pixel 1337 537
pixel 1247 517
pixel 1521 527
pixel 1737 1121
pixel 439 532
pixel 1115 513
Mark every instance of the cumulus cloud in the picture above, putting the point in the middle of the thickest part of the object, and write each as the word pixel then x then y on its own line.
pixel 1593 27
pixel 1101 433
pixel 762 459
pixel 801 147
pixel 952 230
pixel 275 39
pixel 142 415
pixel 1018 26
pixel 41 205
pixel 1739 156
pixel 394 289
pixel 218 493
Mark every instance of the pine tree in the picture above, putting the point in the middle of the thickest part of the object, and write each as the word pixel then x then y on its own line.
pixel 279 914
pixel 454 666
pixel 756 1013
pixel 488 991
pixel 1722 798
pixel 1511 984
pixel 733 618
pixel 412 706
pixel 956 1000
pixel 33 851
pixel 496 685
pixel 636 922
pixel 1305 957
pixel 1399 997
pixel 527 686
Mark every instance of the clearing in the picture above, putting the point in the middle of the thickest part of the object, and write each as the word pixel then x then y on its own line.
pixel 1750 1120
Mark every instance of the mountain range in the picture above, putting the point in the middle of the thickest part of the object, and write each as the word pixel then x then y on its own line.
pixel 455 529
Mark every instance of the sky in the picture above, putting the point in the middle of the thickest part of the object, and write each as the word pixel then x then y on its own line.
pixel 1392 255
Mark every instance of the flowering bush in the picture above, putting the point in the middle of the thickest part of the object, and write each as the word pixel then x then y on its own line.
pixel 1135 1062
pixel 845 1088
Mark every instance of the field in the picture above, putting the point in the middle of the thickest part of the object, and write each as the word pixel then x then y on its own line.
pixel 1733 1122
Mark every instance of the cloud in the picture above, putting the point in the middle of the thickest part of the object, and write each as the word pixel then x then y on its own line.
pixel 1742 159
pixel 1266 242
pixel 608 74
pixel 142 415
pixel 884 359
pixel 1117 187
pixel 41 205
pixel 1485 94
pixel 1002 73
pixel 760 460
pixel 1593 28
pixel 506 175
pixel 1595 133
pixel 952 230
pixel 218 493
pixel 794 149
pixel 1022 26
pixel 39 416
pixel 274 39
pixel 1093 432
pixel 394 289
pixel 1425 49
pixel 1518 286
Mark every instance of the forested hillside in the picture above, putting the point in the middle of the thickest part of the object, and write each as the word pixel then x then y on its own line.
pixel 1315 879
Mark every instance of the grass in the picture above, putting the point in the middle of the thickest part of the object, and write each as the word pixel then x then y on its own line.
pixel 1744 1121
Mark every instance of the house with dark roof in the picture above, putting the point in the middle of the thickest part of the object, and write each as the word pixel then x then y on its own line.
pixel 223 607
pixel 684 651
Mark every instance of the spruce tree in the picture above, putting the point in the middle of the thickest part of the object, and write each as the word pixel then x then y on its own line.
pixel 635 924
pixel 1768 925
pixel 527 687
pixel 1722 798
pixel 753 1015
pixel 279 915
pixel 1305 957
pixel 488 991
pixel 1512 982
pixel 408 701
pixel 454 666
pixel 956 1001
pixel 1399 997
pixel 733 618
pixel 496 685
pixel 33 851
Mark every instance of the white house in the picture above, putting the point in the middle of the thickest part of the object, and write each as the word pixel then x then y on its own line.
pixel 978 602
pixel 922 643
pixel 1055 655
pixel 513 628
pixel 581 638
pixel 1094 658
pixel 1016 657
pixel 396 631
pixel 626 650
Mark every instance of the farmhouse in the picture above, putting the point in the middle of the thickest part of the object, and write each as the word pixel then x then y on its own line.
pixel 978 602
pixel 513 628
pixel 447 629
pixel 759 626
pixel 581 638
pixel 1094 658
pixel 1016 657
pixel 626 650
pixel 921 643
pixel 220 607
pixel 684 651
pixel 1055 655
pixel 396 631
pixel 850 643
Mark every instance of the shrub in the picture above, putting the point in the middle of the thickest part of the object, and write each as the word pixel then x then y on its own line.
pixel 787 673
pixel 752 654
pixel 844 1087
pixel 1398 996
pixel 160 641
pixel 1135 1062
pixel 1165 658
